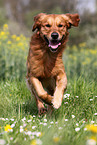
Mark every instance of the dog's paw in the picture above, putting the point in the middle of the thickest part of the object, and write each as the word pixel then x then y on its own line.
pixel 56 103
pixel 42 111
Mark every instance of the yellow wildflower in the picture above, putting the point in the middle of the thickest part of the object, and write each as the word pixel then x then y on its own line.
pixel 9 42
pixel 14 36
pixel 92 128
pixel 95 64
pixel 56 139
pixel 17 38
pixel 7 128
pixel 22 37
pixel 25 129
pixel 75 47
pixel 84 63
pixel 88 60
pixel 93 137
pixel 82 44
pixel 34 142
pixel 2 33
pixel 5 27
pixel 20 44
pixel 93 51
pixel 41 134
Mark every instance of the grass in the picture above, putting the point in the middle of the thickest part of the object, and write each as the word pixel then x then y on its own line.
pixel 19 120
pixel 64 127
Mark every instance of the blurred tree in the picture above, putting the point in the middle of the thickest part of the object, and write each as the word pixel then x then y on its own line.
pixel 16 10
pixel 23 11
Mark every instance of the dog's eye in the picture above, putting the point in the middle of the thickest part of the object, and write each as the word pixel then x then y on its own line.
pixel 48 25
pixel 60 25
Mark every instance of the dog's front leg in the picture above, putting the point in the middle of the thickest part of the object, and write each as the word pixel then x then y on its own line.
pixel 42 94
pixel 61 83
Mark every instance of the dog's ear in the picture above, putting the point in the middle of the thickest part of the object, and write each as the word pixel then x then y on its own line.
pixel 73 20
pixel 37 20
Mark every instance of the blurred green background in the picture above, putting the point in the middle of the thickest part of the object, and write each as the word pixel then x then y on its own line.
pixel 16 20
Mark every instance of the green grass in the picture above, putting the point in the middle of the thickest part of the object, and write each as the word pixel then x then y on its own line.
pixel 66 125
pixel 16 103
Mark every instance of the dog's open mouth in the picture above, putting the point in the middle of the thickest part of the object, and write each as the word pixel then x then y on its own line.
pixel 53 44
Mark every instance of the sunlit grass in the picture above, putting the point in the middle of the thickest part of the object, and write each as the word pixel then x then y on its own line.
pixel 75 122
pixel 14 50
pixel 20 123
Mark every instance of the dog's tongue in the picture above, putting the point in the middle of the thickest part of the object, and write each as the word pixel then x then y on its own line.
pixel 53 44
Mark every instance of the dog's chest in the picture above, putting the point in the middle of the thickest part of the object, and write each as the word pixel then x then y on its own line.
pixel 44 66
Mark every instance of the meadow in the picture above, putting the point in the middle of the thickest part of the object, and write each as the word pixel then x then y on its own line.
pixel 74 123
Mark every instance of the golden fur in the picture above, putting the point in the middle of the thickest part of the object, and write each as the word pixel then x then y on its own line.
pixel 45 68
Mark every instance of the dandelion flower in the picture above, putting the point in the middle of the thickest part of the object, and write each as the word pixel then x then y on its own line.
pixel 7 128
pixel 9 42
pixel 17 38
pixel 33 142
pixel 13 36
pixel 2 33
pixel 56 139
pixel 5 26
pixel 36 142
pixel 92 128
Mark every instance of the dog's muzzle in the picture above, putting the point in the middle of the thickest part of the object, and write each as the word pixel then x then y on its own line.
pixel 53 43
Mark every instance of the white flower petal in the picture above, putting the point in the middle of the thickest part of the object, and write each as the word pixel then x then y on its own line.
pixel 73 116
pixel 33 127
pixel 91 142
pixel 77 129
pixel 2 142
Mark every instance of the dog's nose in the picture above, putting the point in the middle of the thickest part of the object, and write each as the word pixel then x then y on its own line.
pixel 54 35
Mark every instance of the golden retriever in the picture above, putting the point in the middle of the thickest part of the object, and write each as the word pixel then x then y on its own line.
pixel 46 75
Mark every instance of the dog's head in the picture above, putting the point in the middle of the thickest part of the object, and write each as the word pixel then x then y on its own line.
pixel 53 28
